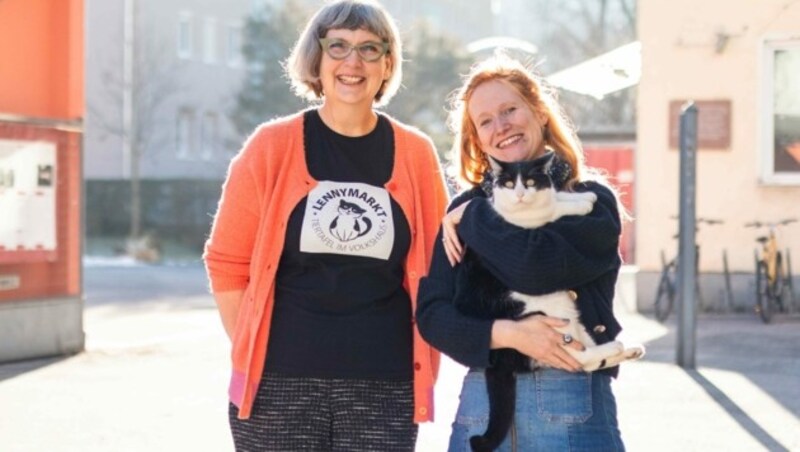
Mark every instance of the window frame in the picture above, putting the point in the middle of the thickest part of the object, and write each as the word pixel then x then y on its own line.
pixel 233 50
pixel 185 18
pixel 766 135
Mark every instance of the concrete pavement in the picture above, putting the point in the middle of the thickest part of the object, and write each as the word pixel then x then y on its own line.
pixel 154 377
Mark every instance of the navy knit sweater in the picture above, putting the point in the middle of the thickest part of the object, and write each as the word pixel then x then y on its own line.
pixel 575 252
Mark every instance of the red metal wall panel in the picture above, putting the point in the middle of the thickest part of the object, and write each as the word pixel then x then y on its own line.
pixel 48 274
pixel 617 163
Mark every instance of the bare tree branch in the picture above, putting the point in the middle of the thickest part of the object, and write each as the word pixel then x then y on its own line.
pixel 628 10
pixel 153 85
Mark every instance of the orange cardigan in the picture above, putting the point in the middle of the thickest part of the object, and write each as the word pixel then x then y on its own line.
pixel 265 182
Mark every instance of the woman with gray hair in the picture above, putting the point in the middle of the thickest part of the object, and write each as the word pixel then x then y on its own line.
pixel 325 226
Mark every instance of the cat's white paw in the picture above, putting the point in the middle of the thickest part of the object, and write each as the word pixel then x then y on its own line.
pixel 634 352
pixel 585 207
pixel 622 354
pixel 617 346
pixel 589 196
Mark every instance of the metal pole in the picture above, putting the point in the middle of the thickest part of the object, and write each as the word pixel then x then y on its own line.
pixel 687 276
pixel 728 289
pixel 789 279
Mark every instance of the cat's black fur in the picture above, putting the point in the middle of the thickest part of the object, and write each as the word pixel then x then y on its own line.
pixel 481 295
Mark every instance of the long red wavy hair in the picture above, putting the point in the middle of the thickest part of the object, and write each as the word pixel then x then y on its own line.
pixel 559 135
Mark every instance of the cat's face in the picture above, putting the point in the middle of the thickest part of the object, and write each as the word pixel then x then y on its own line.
pixel 520 184
pixel 350 209
pixel 508 129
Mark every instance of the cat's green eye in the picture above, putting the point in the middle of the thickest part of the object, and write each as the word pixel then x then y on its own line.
pixel 509 184
pixel 529 183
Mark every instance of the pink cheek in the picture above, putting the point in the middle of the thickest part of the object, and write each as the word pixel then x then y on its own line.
pixel 486 140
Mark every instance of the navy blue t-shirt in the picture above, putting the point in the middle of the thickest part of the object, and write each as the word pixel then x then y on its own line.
pixel 341 310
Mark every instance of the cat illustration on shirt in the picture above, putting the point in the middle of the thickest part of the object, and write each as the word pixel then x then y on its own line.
pixel 350 224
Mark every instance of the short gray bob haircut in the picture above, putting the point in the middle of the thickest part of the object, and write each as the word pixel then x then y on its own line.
pixel 303 63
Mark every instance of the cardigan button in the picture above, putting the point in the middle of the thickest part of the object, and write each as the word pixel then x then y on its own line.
pixel 599 329
pixel 417 366
pixel 423 411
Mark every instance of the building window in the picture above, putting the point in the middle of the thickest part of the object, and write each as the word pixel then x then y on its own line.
pixel 183 134
pixel 208 136
pixel 185 35
pixel 780 143
pixel 210 40
pixel 233 45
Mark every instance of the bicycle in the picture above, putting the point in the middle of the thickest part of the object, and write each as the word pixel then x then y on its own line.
pixel 665 293
pixel 771 283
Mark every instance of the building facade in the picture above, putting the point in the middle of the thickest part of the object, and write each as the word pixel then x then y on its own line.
pixel 739 61
pixel 161 79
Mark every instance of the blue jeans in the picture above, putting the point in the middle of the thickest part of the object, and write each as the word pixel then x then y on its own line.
pixel 556 411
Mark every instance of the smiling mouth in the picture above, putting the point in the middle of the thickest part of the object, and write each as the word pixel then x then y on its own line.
pixel 509 141
pixel 350 79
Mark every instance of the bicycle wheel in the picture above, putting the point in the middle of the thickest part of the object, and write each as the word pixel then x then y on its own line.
pixel 779 286
pixel 665 297
pixel 763 295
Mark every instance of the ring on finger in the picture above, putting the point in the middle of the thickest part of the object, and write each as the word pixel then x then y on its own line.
pixel 566 339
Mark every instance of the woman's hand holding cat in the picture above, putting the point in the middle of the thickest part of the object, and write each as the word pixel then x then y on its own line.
pixel 535 336
pixel 452 245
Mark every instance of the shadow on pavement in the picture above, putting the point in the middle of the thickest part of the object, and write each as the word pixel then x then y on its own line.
pixel 13 369
pixel 766 355
pixel 740 416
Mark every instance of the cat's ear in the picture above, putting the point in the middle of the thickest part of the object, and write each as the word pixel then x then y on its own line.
pixel 549 159
pixel 559 172
pixel 544 161
pixel 494 164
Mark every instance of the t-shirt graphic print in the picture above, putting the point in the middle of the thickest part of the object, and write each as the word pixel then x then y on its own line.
pixel 348 218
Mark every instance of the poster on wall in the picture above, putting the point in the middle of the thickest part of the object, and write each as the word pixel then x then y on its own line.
pixel 27 201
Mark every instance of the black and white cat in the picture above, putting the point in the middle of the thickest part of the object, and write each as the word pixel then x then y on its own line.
pixel 524 194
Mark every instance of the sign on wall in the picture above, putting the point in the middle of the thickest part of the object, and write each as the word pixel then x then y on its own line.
pixel 713 123
pixel 27 200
